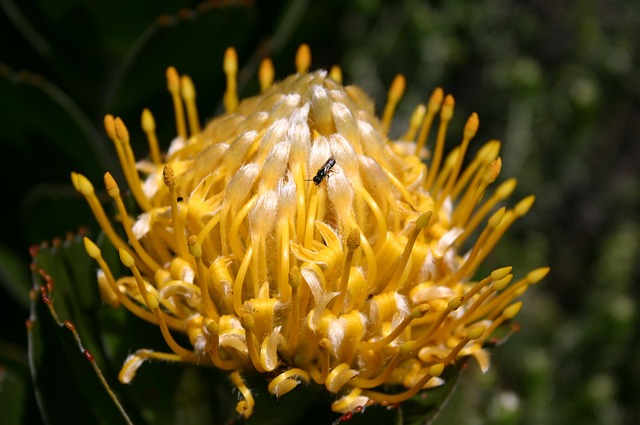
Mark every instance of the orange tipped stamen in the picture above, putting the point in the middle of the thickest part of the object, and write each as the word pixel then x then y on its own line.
pixel 303 59
pixel 353 242
pixel 188 92
pixel 266 74
pixel 434 371
pixel 244 407
pixel 149 127
pixel 470 130
pixel 445 117
pixel 435 101
pixel 417 313
pixel 195 249
pixel 393 98
pixel 114 193
pixel 178 224
pixel 173 85
pixel 417 117
pixel 335 73
pixel 230 67
pixel 398 279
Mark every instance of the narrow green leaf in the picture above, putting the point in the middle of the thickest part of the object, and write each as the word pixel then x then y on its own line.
pixel 62 375
pixel 67 379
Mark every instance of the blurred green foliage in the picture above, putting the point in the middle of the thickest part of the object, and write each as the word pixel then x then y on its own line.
pixel 556 82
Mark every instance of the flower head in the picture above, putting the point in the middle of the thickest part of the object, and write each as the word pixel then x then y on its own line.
pixel 290 236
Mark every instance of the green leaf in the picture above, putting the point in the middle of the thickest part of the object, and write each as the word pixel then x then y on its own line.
pixel 66 373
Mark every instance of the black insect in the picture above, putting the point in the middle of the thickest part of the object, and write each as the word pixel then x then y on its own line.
pixel 323 171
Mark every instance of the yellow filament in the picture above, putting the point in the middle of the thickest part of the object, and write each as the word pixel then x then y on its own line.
pixel 414 124
pixel 127 373
pixel 396 281
pixel 398 398
pixel 196 251
pixel 247 324
pixel 110 129
pixel 335 73
pixel 122 136
pixel 189 96
pixel 173 85
pixel 479 247
pixel 269 351
pixel 350 402
pixel 380 379
pixel 456 350
pixel 474 332
pixel 435 101
pixel 95 253
pixel 445 117
pixel 468 315
pixel 445 171
pixel 400 186
pixel 129 262
pixel 206 230
pixel 239 281
pixel 393 98
pixel 415 314
pixel 178 225
pixel 217 361
pixel 114 192
pixel 518 211
pixel 339 377
pixel 372 265
pixel 234 230
pixel 324 345
pixel 230 67
pixel 149 127
pixel 474 193
pixel 311 219
pixel 470 129
pixel 486 281
pixel 303 59
pixel 353 242
pixel 487 153
pixel 244 407
pixel 497 304
pixel 508 314
pixel 283 271
pixel 283 383
pixel 82 185
pixel 453 305
pixel 184 354
pixel 375 209
pixel 294 281
pixel 301 201
pixel 503 191
pixel 266 74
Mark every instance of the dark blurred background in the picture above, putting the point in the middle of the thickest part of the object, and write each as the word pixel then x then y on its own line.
pixel 557 82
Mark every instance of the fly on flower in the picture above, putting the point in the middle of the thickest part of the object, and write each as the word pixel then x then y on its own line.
pixel 323 171
pixel 367 289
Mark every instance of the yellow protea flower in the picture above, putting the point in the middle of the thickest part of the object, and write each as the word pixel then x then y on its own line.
pixel 292 237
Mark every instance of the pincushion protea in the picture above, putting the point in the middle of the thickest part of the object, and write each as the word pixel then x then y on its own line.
pixel 358 282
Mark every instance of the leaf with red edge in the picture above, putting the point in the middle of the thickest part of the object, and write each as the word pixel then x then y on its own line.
pixel 67 379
